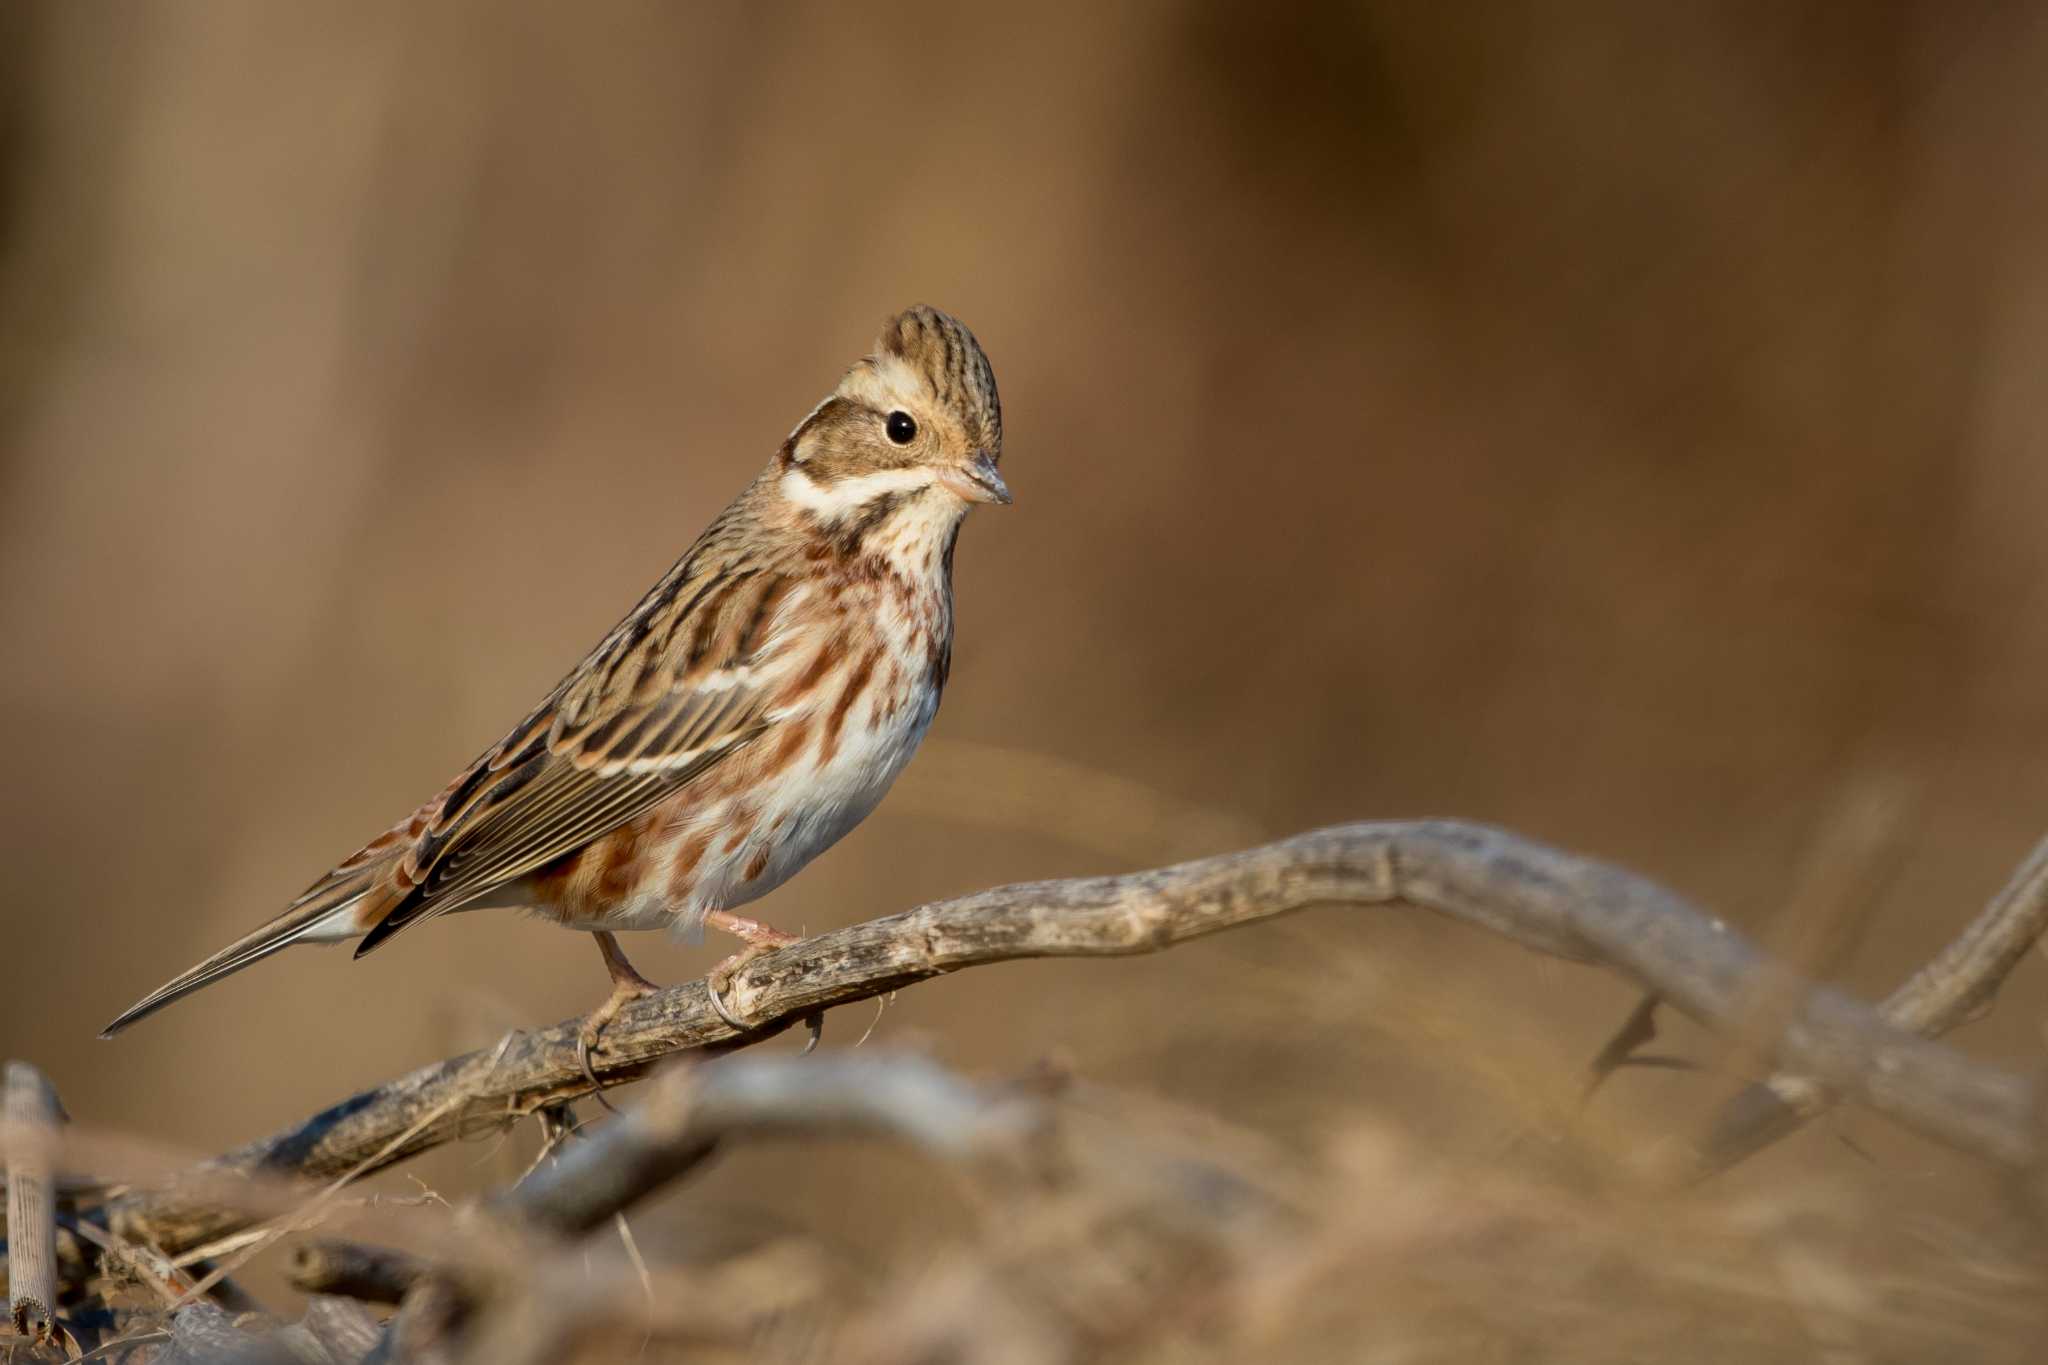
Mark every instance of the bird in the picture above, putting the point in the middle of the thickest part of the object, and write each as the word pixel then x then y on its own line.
pixel 752 709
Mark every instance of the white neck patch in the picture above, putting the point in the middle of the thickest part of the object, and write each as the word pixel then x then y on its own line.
pixel 832 501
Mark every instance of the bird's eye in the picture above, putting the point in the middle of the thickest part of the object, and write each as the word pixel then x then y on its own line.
pixel 902 428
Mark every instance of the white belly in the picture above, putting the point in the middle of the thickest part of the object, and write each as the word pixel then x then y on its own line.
pixel 816 806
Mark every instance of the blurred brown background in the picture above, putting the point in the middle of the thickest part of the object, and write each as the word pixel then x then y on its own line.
pixel 1620 422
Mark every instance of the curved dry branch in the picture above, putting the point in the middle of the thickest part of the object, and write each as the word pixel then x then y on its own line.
pixel 1542 898
pixel 1954 988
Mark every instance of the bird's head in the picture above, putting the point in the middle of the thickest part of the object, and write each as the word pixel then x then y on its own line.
pixel 919 420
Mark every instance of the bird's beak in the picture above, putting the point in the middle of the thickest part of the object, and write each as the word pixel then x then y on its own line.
pixel 978 481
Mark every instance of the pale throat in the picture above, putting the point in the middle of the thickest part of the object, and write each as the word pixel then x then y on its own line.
pixel 902 516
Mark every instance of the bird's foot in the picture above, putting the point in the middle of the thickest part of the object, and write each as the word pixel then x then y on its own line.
pixel 627 986
pixel 719 979
pixel 760 938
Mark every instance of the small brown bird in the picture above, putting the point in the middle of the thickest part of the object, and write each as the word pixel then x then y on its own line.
pixel 753 707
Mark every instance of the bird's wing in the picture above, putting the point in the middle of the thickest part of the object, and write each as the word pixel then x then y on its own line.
pixel 621 733
pixel 688 678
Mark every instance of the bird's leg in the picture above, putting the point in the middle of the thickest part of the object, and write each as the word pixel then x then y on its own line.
pixel 760 938
pixel 627 986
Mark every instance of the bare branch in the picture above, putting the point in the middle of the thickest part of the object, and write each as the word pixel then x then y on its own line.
pixel 32 1118
pixel 1954 988
pixel 552 1300
pixel 353 1270
pixel 1540 897
pixel 690 1109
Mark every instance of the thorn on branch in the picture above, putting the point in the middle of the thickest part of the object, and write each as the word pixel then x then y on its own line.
pixel 1639 1028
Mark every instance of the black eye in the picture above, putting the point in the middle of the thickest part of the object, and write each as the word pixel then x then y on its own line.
pixel 902 428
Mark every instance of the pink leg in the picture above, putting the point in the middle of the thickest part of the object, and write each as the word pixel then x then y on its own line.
pixel 760 938
pixel 753 931
pixel 627 986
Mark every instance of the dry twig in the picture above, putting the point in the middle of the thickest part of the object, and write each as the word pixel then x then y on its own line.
pixel 1954 988
pixel 549 1300
pixel 32 1118
pixel 691 1109
pixel 1540 897
pixel 352 1270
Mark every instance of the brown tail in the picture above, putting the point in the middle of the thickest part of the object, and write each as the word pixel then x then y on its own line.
pixel 328 913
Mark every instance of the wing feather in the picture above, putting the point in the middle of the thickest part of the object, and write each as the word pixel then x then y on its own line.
pixel 621 734
pixel 561 802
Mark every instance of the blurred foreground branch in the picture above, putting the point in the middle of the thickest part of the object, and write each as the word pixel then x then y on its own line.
pixel 1954 988
pixel 365 1273
pixel 1540 897
pixel 33 1114
pixel 690 1111
pixel 545 1302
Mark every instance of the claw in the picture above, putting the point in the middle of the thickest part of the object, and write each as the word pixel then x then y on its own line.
pixel 584 1041
pixel 760 938
pixel 719 979
pixel 720 1008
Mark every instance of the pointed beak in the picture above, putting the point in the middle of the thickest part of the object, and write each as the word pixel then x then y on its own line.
pixel 978 481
